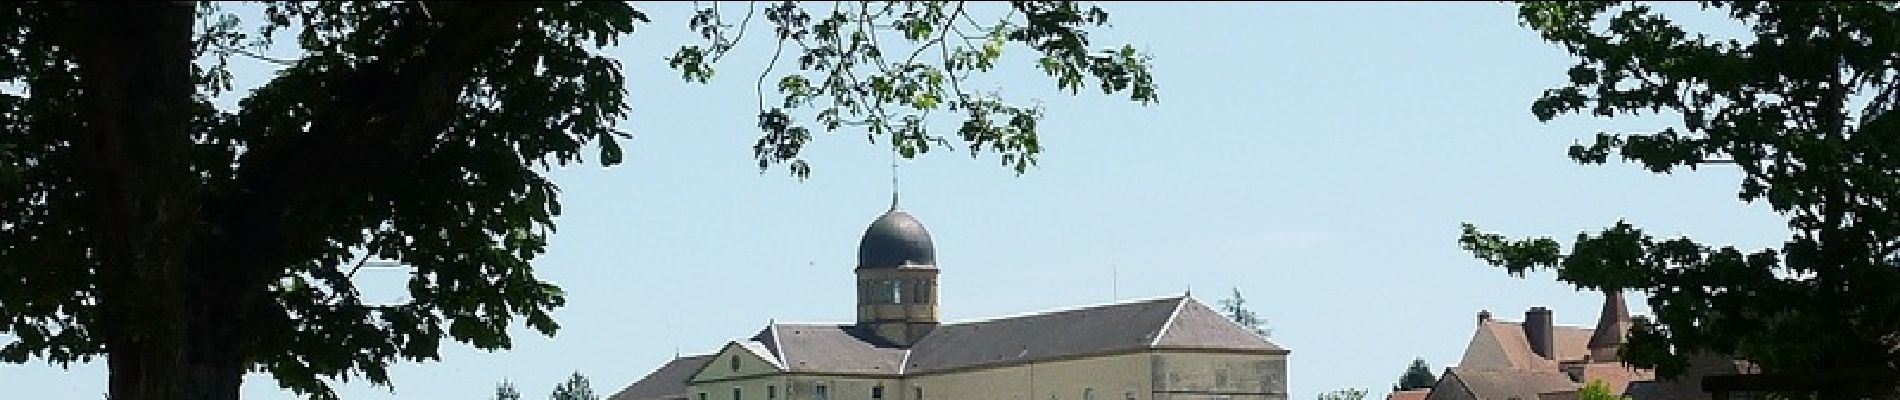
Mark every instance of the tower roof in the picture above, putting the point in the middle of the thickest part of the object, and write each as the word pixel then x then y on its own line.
pixel 896 240
pixel 1612 324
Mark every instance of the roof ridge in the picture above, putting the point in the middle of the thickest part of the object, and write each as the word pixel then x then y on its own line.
pixel 1069 309
pixel 778 343
pixel 1167 323
pixel 904 363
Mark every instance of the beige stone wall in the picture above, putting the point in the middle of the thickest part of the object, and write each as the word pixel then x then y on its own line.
pixel 1181 375
pixel 1151 375
pixel 805 387
pixel 754 388
pixel 1109 377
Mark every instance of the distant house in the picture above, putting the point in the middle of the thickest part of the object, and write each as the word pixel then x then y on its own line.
pixel 1413 394
pixel 1170 348
pixel 1535 359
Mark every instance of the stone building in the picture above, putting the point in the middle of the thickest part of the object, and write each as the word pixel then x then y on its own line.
pixel 1536 359
pixel 1169 348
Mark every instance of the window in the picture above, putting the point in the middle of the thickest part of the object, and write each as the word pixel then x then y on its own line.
pixel 702 395
pixel 1220 378
pixel 771 392
pixel 735 393
pixel 1129 395
pixel 819 392
pixel 734 363
pixel 877 392
pixel 919 394
pixel 1088 393
pixel 897 292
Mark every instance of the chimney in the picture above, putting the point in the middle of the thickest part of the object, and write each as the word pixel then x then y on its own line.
pixel 1538 331
pixel 1483 317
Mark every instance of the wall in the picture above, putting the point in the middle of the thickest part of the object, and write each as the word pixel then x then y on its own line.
pixel 1189 375
pixel 1111 378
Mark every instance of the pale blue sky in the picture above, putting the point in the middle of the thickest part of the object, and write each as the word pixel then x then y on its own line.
pixel 1318 156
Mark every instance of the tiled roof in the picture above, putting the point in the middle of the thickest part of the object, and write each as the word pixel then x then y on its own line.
pixel 1414 394
pixel 667 382
pixel 1505 384
pixel 1502 345
pixel 1615 375
pixel 831 348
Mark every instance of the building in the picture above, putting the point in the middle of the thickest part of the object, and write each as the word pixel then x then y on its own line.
pixel 1170 348
pixel 1535 359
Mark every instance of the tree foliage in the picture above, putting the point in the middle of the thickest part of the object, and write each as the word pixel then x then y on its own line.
pixel 190 244
pixel 886 67
pixel 1418 375
pixel 506 391
pixel 1344 394
pixel 1803 107
pixel 1597 390
pixel 575 388
pixel 1236 308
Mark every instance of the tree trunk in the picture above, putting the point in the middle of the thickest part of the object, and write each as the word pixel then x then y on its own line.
pixel 169 332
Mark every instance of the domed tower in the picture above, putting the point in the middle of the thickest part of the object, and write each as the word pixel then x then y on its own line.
pixel 897 278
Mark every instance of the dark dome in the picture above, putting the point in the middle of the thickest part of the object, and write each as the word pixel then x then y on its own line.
pixel 896 240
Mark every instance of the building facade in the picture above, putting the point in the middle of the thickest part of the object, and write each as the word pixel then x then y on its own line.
pixel 1169 348
pixel 1537 359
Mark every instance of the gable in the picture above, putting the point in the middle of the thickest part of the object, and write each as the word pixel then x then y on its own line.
pixel 830 348
pixel 1194 325
pixel 736 360
pixel 667 382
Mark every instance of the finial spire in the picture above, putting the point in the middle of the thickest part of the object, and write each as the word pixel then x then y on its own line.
pixel 894 186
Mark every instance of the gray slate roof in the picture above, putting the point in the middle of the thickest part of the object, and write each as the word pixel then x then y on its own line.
pixel 1180 322
pixel 830 348
pixel 1166 323
pixel 667 382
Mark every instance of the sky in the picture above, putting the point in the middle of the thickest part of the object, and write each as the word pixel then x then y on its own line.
pixel 1319 157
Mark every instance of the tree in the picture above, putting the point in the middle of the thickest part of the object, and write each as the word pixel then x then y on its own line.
pixel 187 244
pixel 1596 390
pixel 576 388
pixel 506 391
pixel 1236 308
pixel 1804 109
pixel 1416 376
pixel 1344 394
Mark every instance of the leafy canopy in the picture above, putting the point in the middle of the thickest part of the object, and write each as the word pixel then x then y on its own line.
pixel 1236 309
pixel 1344 394
pixel 1803 107
pixel 417 133
pixel 1418 375
pixel 575 388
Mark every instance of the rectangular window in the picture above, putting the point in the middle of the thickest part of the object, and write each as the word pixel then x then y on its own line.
pixel 771 392
pixel 1088 393
pixel 1130 395
pixel 877 392
pixel 735 393
pixel 819 392
pixel 702 395
pixel 919 394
